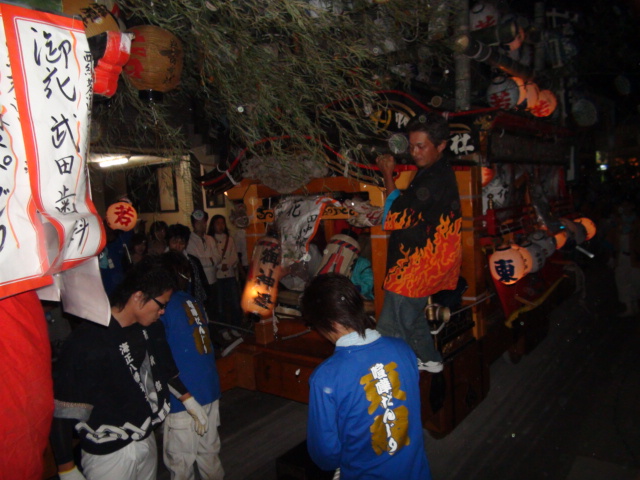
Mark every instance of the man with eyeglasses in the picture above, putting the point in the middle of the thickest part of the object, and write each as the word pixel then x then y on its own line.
pixel 112 384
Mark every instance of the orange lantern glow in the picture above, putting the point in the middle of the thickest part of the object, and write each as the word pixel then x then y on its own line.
pixel 121 216
pixel 560 238
pixel 526 258
pixel 156 59
pixel 547 103
pixel 533 94
pixel 487 175
pixel 522 91
pixel 589 226
pixel 506 265
pixel 260 291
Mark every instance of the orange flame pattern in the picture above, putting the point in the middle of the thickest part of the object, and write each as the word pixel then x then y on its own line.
pixel 425 271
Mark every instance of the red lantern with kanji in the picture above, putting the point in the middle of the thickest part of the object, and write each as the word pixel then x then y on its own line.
pixel 121 216
pixel 156 59
pixel 261 288
pixel 547 103
pixel 506 265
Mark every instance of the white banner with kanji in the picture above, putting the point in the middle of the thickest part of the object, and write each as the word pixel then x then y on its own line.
pixel 50 75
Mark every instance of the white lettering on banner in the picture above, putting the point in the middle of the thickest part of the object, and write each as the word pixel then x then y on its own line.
pixel 52 73
pixel 20 256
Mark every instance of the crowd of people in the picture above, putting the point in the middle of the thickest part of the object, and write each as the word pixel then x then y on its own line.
pixel 175 298
pixel 217 265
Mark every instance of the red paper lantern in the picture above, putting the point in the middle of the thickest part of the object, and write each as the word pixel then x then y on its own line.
pixel 122 216
pixel 156 59
pixel 547 103
pixel 260 291
pixel 506 265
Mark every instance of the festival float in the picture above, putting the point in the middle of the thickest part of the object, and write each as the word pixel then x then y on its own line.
pixel 518 235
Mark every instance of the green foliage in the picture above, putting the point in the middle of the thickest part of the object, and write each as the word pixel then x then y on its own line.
pixel 265 68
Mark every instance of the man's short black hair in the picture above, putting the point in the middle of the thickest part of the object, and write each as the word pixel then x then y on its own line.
pixel 149 276
pixel 332 298
pixel 433 124
pixel 178 231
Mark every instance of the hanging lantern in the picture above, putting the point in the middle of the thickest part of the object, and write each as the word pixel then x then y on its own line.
pixel 560 238
pixel 155 64
pixel 540 237
pixel 589 226
pixel 547 103
pixel 96 17
pixel 482 15
pixel 261 288
pixel 506 265
pixel 538 257
pixel 526 258
pixel 503 92
pixel 121 216
pixel 487 175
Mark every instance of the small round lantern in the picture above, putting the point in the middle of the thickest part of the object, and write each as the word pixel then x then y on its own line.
pixel 538 257
pixel 482 15
pixel 547 103
pixel 96 17
pixel 540 237
pixel 526 258
pixel 506 265
pixel 589 226
pixel 560 238
pixel 121 216
pixel 503 92
pixel 155 64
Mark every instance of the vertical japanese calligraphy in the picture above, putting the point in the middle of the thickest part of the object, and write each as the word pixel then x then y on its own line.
pixel 51 67
pixel 48 222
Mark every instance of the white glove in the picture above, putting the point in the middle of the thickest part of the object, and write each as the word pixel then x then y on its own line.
pixel 200 422
pixel 73 474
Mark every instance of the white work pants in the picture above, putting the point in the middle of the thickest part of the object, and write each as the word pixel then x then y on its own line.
pixel 182 446
pixel 136 461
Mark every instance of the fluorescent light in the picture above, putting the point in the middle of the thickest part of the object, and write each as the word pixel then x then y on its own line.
pixel 113 161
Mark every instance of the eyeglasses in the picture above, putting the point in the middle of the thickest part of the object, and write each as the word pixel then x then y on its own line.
pixel 162 306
